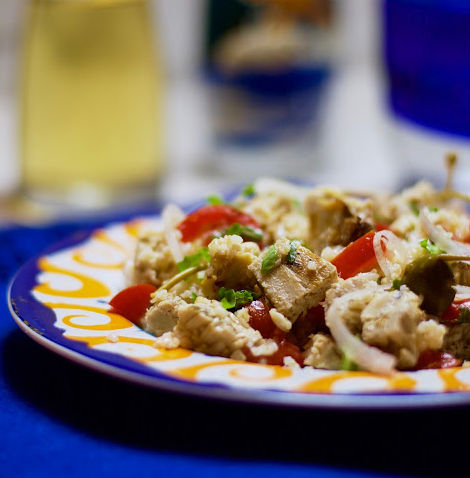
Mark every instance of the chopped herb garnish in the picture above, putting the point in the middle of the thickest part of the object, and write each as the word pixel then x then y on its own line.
pixel 433 208
pixel 269 260
pixel 194 297
pixel 414 207
pixel 232 299
pixel 297 204
pixel 290 258
pixel 396 284
pixel 248 233
pixel 215 200
pixel 464 315
pixel 249 190
pixel 431 247
pixel 194 260
pixel 347 363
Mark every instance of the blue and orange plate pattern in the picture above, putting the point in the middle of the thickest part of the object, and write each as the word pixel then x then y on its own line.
pixel 60 299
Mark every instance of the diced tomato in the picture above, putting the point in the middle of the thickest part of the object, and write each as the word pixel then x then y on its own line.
pixel 132 302
pixel 452 313
pixel 380 226
pixel 436 359
pixel 285 349
pixel 260 320
pixel 208 220
pixel 358 257
pixel 311 323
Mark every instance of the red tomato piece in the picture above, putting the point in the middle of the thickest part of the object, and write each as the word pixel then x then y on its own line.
pixel 132 302
pixel 285 349
pixel 435 359
pixel 380 226
pixel 260 319
pixel 452 313
pixel 209 220
pixel 358 257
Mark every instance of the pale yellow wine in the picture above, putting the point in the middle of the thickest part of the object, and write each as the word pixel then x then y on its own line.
pixel 92 97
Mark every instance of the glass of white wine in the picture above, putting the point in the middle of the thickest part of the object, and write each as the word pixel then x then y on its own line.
pixel 92 94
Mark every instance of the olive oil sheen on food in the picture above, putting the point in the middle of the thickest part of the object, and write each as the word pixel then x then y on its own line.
pixel 91 101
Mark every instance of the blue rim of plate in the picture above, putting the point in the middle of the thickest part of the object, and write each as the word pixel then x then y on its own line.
pixel 37 321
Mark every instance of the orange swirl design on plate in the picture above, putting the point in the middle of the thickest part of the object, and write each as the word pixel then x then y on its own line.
pixel 326 384
pixel 90 287
pixel 451 381
pixel 133 228
pixel 103 237
pixel 84 320
pixel 160 356
pixel 116 321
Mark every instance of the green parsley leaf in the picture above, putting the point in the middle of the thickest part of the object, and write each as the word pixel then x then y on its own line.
pixel 232 299
pixel 396 284
pixel 414 207
pixel 290 258
pixel 433 208
pixel 194 297
pixel 194 260
pixel 248 233
pixel 249 190
pixel 269 260
pixel 215 200
pixel 464 315
pixel 431 247
pixel 348 364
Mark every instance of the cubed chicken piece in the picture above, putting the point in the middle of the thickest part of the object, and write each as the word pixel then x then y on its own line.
pixel 336 219
pixel 390 322
pixel 162 315
pixel 351 315
pixel 207 327
pixel 229 265
pixel 279 216
pixel 295 287
pixel 322 352
pixel 457 341
pixel 153 261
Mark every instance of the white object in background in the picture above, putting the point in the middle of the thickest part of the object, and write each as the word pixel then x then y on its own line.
pixel 181 24
pixel 422 151
pixel 355 142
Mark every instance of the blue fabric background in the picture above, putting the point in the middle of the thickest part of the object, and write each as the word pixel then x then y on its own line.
pixel 58 419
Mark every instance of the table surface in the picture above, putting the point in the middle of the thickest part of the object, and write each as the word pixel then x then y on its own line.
pixel 61 419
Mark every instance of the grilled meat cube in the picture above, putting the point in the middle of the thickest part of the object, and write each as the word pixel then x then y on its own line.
pixel 162 314
pixel 294 288
pixel 336 219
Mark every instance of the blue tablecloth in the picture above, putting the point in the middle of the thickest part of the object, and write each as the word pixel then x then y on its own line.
pixel 58 419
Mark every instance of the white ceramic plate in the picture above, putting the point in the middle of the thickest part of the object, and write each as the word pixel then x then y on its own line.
pixel 60 299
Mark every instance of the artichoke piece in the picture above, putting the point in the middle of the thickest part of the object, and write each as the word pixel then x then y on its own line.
pixel 433 279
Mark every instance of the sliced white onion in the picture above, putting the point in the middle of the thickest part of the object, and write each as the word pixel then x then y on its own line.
pixel 367 357
pixel 172 215
pixel 393 246
pixel 271 185
pixel 440 238
pixel 380 255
